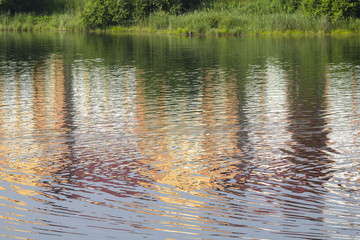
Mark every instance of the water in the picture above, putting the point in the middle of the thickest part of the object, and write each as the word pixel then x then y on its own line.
pixel 158 137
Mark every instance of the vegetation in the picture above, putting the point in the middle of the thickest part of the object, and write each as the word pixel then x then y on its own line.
pixel 335 9
pixel 38 6
pixel 184 16
pixel 99 13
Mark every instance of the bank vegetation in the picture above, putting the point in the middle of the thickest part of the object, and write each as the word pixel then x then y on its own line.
pixel 190 17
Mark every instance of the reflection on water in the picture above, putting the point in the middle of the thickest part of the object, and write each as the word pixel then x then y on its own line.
pixel 175 138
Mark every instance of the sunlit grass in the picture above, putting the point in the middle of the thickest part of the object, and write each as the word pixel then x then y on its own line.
pixel 228 23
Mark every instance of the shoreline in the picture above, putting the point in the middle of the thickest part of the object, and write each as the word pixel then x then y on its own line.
pixel 199 23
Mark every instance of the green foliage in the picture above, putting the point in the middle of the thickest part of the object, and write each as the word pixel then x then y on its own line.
pixel 261 7
pixel 291 5
pixel 334 9
pixel 100 13
pixel 38 6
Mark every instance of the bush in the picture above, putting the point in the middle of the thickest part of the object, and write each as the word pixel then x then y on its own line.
pixel 334 9
pixel 100 13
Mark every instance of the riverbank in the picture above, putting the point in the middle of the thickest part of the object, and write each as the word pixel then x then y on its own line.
pixel 202 22
pixel 230 23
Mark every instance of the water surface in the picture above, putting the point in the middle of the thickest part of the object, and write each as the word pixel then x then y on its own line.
pixel 158 137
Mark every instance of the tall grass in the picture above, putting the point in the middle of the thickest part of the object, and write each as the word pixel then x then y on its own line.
pixel 67 21
pixel 63 15
pixel 235 17
pixel 230 22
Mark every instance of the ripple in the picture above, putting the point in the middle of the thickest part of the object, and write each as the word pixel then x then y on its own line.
pixel 249 139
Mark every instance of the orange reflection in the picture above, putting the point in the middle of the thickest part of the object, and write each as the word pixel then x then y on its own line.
pixel 183 158
pixel 28 151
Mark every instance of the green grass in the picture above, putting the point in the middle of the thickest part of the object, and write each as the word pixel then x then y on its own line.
pixel 227 22
pixel 68 21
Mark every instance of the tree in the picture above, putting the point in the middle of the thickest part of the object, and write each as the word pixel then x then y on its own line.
pixel 15 6
pixel 334 9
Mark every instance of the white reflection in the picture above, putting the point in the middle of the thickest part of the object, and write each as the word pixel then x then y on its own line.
pixel 344 185
pixel 344 107
pixel 268 110
pixel 32 116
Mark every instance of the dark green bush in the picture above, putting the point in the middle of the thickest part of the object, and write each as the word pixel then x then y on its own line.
pixel 334 9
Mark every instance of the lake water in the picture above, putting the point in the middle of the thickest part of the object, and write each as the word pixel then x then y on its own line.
pixel 171 137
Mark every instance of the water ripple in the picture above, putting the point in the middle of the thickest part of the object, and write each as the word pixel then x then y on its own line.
pixel 240 141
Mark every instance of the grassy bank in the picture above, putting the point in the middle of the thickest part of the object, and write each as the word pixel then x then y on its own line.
pixel 221 18
pixel 67 21
pixel 217 22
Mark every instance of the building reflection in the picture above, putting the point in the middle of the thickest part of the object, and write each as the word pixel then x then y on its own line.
pixel 190 144
pixel 33 117
pixel 344 91
pixel 51 121
pixel 308 111
pixel 309 153
pixel 288 118
pixel 104 146
pixel 213 140
pixel 286 126
pixel 33 144
pixel 252 132
pixel 235 145
pixel 344 182
pixel 182 139
pixel 15 152
pixel 269 112
pixel 262 130
pixel 48 151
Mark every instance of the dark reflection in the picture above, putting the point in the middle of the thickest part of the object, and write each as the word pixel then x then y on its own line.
pixel 305 120
pixel 61 125
pixel 309 152
pixel 154 135
pixel 232 175
pixel 308 124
